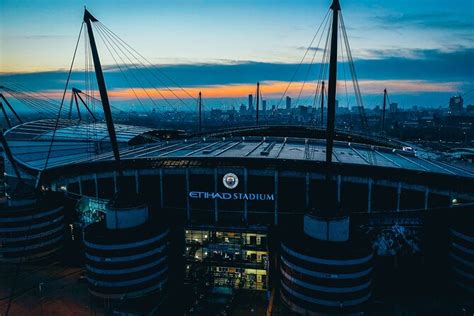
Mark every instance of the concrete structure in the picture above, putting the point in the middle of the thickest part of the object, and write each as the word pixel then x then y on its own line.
pixel 335 278
pixel 127 257
pixel 234 189
pixel 32 225
pixel 461 255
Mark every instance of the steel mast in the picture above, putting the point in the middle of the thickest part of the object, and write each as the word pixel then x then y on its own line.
pixel 200 111
pixel 335 7
pixel 88 19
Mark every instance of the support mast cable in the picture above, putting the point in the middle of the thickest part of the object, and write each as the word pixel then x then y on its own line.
pixel 323 68
pixel 5 115
pixel 120 69
pixel 105 38
pixel 125 44
pixel 11 108
pixel 61 106
pixel 316 49
pixel 88 19
pixel 355 80
pixel 302 60
pixel 130 49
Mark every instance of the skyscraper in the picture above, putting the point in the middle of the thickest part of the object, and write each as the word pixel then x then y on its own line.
pixel 288 103
pixel 264 105
pixel 456 103
pixel 393 107
pixel 250 102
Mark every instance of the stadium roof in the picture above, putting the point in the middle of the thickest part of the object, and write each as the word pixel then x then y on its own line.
pixel 76 143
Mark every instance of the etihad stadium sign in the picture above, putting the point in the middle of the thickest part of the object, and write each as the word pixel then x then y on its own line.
pixel 232 196
pixel 231 181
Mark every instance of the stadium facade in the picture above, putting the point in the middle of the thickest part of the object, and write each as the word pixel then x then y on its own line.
pixel 302 213
pixel 238 204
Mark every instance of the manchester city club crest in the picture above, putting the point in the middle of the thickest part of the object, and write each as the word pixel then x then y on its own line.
pixel 230 180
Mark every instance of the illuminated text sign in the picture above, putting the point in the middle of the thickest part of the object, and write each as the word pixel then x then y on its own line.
pixel 232 196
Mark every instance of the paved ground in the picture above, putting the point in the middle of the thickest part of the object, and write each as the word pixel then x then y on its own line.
pixel 43 290
pixel 249 303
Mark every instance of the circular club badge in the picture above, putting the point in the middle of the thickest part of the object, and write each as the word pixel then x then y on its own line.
pixel 230 181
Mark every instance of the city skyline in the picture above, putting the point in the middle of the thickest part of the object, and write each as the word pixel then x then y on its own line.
pixel 223 49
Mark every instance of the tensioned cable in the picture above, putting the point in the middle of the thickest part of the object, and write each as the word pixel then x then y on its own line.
pixel 323 69
pixel 163 73
pixel 120 42
pixel 302 60
pixel 324 66
pixel 25 90
pixel 62 99
pixel 57 121
pixel 131 62
pixel 344 70
pixel 25 101
pixel 47 105
pixel 316 49
pixel 88 83
pixel 113 42
pixel 120 68
pixel 30 102
pixel 354 76
pixel 130 49
pixel 136 67
pixel 97 100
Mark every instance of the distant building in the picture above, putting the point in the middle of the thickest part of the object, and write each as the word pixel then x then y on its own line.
pixel 216 113
pixel 288 103
pixel 303 110
pixel 264 105
pixel 273 107
pixel 456 103
pixel 250 102
pixel 242 108
pixel 393 107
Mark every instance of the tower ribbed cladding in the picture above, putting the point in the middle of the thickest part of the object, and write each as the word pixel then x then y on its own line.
pixel 323 271
pixel 461 253
pixel 32 225
pixel 126 255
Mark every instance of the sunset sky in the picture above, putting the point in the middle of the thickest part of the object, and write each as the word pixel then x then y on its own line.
pixel 421 51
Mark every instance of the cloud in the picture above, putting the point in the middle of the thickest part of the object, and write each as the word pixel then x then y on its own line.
pixel 271 89
pixel 455 64
pixel 430 20
pixel 413 72
pixel 313 49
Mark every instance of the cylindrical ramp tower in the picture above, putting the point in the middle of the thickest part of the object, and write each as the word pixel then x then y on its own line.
pixel 32 225
pixel 127 254
pixel 461 253
pixel 322 271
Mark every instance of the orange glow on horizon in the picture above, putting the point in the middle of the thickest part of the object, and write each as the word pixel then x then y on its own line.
pixel 274 89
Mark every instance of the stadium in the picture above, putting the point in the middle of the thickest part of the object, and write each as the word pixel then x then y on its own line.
pixel 260 208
